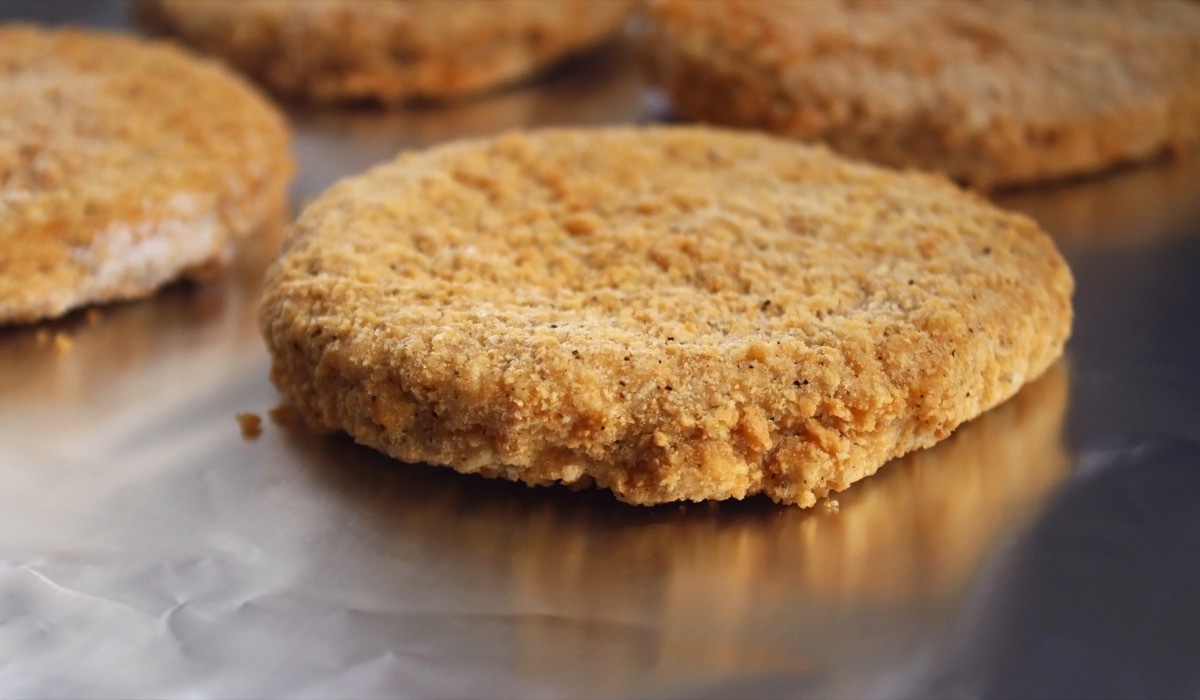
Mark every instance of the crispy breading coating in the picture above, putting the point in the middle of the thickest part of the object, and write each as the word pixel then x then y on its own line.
pixel 672 313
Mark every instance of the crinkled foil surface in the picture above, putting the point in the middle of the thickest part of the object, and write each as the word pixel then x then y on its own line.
pixel 148 549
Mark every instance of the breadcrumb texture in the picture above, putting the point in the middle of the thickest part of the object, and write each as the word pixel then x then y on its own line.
pixel 123 164
pixel 387 50
pixel 672 313
pixel 990 92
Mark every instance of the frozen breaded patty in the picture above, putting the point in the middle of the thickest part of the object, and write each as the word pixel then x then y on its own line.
pixel 387 50
pixel 672 313
pixel 991 92
pixel 123 165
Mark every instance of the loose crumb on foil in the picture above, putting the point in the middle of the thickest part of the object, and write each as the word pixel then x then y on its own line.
pixel 283 414
pixel 251 425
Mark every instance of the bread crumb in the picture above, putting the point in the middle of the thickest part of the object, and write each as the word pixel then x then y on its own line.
pixel 832 505
pixel 283 414
pixel 62 343
pixel 251 425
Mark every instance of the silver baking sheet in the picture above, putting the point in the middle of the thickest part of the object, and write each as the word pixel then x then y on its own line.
pixel 149 549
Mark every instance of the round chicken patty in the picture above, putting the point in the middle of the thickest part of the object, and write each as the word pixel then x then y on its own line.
pixel 389 51
pixel 124 165
pixel 671 313
pixel 992 93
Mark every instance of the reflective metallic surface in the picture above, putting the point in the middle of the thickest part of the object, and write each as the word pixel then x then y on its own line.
pixel 147 548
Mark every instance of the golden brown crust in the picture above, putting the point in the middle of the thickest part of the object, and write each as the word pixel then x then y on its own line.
pixel 670 313
pixel 992 93
pixel 123 164
pixel 339 50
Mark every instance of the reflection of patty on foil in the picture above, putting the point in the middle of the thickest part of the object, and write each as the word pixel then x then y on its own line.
pixel 110 347
pixel 1136 208
pixel 918 531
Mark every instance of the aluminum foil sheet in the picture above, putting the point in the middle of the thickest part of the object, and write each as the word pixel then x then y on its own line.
pixel 149 549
